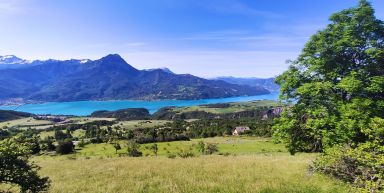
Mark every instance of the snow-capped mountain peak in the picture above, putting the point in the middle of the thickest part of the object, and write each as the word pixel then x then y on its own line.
pixel 11 59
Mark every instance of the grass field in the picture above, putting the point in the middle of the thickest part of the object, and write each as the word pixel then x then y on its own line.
pixel 26 122
pixel 253 165
pixel 231 145
pixel 233 107
pixel 141 123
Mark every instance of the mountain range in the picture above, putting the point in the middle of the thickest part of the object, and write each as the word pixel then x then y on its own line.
pixel 108 78
pixel 267 83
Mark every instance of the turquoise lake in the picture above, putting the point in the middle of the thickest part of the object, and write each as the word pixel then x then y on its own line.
pixel 83 108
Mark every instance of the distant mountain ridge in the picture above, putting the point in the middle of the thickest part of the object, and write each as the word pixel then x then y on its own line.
pixel 163 69
pixel 267 83
pixel 108 78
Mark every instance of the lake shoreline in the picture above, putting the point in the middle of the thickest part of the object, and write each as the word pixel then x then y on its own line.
pixel 85 108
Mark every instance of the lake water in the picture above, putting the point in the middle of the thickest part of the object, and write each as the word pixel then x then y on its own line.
pixel 83 108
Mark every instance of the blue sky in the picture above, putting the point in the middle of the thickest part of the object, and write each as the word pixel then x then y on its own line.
pixel 208 38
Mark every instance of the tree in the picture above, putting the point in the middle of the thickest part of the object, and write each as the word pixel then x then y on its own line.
pixel 154 149
pixel 337 86
pixel 117 146
pixel 60 135
pixel 47 144
pixel 201 147
pixel 15 168
pixel 133 149
pixel 337 83
pixel 65 147
pixel 211 148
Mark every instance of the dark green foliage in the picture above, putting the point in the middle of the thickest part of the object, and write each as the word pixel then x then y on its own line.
pixel 133 149
pixel 211 148
pixel 81 143
pixel 171 156
pixel 217 105
pixel 6 115
pixel 338 85
pixel 206 148
pixel 4 133
pixel 117 146
pixel 65 147
pixel 201 147
pixel 161 134
pixel 33 143
pixel 168 113
pixel 17 170
pixel 362 165
pixel 47 144
pixel 185 153
pixel 219 127
pixel 129 134
pixel 60 135
pixel 124 114
pixel 154 149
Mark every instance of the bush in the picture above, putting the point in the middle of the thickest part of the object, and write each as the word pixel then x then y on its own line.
pixel 185 154
pixel 171 156
pixel 363 166
pixel 47 145
pixel 117 146
pixel 81 143
pixel 133 149
pixel 211 148
pixel 65 147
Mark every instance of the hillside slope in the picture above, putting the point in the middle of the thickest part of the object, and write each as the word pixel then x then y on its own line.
pixel 108 78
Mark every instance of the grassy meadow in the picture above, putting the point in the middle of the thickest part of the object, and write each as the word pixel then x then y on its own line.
pixel 251 165
pixel 232 108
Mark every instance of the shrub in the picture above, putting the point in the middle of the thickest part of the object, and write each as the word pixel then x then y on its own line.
pixel 47 145
pixel 117 146
pixel 201 147
pixel 211 148
pixel 81 143
pixel 154 149
pixel 185 154
pixel 362 166
pixel 133 149
pixel 65 147
pixel 171 156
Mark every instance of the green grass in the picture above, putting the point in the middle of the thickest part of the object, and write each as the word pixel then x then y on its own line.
pixel 232 145
pixel 83 120
pixel 141 123
pixel 234 107
pixel 245 173
pixel 255 165
pixel 27 122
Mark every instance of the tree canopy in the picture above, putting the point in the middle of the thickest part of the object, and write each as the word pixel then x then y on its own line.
pixel 337 88
pixel 337 83
pixel 15 169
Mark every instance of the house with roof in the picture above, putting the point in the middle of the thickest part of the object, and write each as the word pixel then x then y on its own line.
pixel 239 130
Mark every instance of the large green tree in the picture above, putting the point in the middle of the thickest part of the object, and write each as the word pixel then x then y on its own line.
pixel 15 169
pixel 336 84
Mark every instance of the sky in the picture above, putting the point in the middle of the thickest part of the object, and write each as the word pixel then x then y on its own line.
pixel 207 38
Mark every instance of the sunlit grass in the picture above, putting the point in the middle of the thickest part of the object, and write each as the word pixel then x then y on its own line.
pixel 252 165
pixel 245 173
